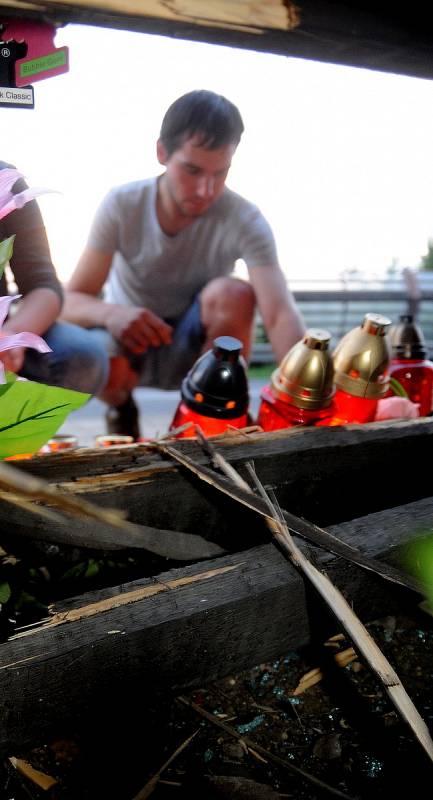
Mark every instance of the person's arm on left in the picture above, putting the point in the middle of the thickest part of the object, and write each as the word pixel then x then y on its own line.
pixel 281 316
pixel 34 274
pixel 35 313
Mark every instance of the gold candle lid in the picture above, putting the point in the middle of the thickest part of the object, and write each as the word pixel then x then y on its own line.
pixel 362 357
pixel 376 324
pixel 305 375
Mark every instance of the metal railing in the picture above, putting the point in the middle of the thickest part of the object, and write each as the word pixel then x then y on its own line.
pixel 340 305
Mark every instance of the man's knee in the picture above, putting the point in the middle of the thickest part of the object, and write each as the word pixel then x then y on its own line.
pixel 229 296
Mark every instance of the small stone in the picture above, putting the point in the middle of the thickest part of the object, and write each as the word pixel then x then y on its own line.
pixel 328 747
pixel 233 751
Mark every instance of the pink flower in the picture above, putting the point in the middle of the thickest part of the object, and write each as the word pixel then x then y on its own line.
pixel 8 201
pixel 396 408
pixel 8 341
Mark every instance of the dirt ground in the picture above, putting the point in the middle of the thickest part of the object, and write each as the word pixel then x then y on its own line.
pixel 342 731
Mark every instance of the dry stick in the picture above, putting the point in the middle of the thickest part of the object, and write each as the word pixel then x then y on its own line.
pixel 352 625
pixel 151 785
pixel 301 527
pixel 32 488
pixel 261 750
pixel 28 505
pixel 39 778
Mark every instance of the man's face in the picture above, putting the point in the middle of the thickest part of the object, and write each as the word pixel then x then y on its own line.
pixel 195 176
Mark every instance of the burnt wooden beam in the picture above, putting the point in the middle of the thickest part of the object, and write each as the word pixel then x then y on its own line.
pixel 184 627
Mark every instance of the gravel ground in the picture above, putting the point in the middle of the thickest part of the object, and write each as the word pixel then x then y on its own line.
pixel 342 730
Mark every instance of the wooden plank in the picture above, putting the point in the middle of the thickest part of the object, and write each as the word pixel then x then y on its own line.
pixel 224 13
pixel 182 628
pixel 85 462
pixel 325 474
pixel 387 36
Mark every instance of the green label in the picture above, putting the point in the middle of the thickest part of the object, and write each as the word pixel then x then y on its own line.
pixel 43 63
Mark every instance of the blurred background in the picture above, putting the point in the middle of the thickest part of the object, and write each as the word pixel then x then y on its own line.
pixel 338 158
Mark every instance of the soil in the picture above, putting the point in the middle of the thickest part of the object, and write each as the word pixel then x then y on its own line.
pixel 342 731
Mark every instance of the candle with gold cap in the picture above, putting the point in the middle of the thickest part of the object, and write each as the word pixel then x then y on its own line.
pixel 301 388
pixel 361 362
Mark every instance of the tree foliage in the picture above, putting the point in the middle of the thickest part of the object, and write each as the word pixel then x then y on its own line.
pixel 427 260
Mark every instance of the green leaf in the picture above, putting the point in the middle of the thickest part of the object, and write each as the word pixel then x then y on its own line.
pixel 6 250
pixel 92 569
pixel 76 571
pixel 31 413
pixel 397 388
pixel 419 560
pixel 5 593
pixel 28 601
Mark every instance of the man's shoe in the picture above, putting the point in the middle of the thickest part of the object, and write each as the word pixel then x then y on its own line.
pixel 123 419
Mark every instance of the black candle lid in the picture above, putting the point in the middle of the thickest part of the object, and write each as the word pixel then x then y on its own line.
pixel 217 385
pixel 407 339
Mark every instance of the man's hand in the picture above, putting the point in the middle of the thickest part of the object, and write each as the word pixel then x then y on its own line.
pixel 13 359
pixel 138 328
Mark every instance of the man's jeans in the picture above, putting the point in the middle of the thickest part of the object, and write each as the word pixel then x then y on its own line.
pixel 78 361
pixel 81 357
pixel 162 367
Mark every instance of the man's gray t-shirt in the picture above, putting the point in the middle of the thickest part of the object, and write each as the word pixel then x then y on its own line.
pixel 164 273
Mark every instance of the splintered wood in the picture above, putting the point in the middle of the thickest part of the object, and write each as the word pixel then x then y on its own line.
pixel 230 14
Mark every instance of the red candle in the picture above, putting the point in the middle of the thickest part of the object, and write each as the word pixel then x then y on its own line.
pixel 214 394
pixel 409 365
pixel 301 389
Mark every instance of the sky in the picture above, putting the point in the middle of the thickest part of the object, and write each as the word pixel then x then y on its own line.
pixel 339 159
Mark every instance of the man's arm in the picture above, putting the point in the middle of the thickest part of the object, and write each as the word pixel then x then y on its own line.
pixel 281 316
pixel 82 306
pixel 136 328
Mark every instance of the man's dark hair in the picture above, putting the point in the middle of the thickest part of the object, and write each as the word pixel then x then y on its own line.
pixel 211 116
